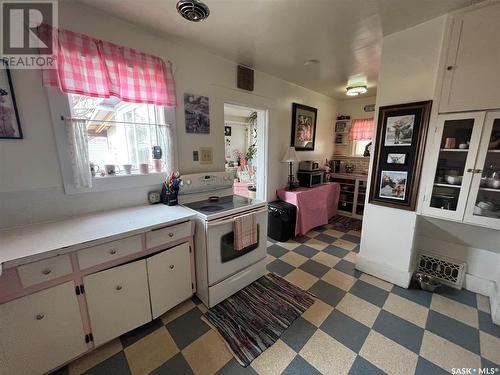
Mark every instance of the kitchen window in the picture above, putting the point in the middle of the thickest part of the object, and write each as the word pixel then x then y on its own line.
pixel 122 134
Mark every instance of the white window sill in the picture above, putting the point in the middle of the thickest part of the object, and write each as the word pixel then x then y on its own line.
pixel 120 181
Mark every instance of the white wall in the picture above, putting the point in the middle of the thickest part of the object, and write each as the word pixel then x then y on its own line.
pixel 408 72
pixel 355 107
pixel 30 179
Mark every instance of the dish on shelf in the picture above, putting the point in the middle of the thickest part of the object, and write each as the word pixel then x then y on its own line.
pixel 453 180
pixel 491 212
pixel 494 183
pixel 494 144
pixel 484 182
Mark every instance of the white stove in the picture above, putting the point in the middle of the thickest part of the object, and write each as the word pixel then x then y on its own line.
pixel 220 269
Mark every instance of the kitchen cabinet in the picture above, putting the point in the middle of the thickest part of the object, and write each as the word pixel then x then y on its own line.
pixel 463 184
pixel 352 194
pixel 117 300
pixel 41 331
pixel 169 278
pixel 471 79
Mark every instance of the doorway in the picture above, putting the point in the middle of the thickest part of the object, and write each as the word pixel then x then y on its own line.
pixel 245 149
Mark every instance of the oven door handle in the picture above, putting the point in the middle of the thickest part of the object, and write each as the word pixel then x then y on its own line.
pixel 231 218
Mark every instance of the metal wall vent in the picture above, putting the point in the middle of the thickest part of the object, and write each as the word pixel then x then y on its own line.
pixel 448 271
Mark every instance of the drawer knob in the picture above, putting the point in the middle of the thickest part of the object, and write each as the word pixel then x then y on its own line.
pixel 39 316
pixel 46 271
pixel 171 266
pixel 119 287
pixel 170 234
pixel 112 251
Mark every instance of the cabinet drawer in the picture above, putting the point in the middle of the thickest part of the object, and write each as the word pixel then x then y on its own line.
pixel 117 300
pixel 44 270
pixel 162 236
pixel 95 255
pixel 169 275
pixel 41 331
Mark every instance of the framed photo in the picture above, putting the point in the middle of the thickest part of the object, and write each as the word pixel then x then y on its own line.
pixel 399 130
pixel 197 115
pixel 393 185
pixel 303 127
pixel 227 131
pixel 398 155
pixel 10 126
pixel 396 158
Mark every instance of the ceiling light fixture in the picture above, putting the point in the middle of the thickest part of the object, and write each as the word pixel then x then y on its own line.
pixel 356 90
pixel 193 10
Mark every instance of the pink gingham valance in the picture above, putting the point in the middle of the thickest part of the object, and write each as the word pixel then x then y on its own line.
pixel 88 66
pixel 362 130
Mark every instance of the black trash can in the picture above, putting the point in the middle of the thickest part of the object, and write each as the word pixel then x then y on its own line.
pixel 282 217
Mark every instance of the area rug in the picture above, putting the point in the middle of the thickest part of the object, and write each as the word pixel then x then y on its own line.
pixel 253 319
pixel 345 224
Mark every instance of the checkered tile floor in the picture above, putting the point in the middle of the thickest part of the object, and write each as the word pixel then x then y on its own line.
pixel 358 325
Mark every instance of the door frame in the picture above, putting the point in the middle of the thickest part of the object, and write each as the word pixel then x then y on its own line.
pixel 262 145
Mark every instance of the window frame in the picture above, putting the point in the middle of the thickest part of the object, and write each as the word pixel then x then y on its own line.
pixel 60 110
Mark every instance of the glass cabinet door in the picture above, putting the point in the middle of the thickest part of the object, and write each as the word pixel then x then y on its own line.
pixel 484 199
pixel 455 148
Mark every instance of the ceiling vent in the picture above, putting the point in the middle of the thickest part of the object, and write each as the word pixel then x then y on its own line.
pixel 192 10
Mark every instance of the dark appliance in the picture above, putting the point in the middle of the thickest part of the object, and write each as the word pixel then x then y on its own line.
pixel 335 166
pixel 310 179
pixel 282 217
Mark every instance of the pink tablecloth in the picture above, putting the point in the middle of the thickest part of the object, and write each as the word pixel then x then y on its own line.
pixel 315 206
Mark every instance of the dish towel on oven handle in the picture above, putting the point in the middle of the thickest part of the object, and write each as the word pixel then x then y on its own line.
pixel 245 231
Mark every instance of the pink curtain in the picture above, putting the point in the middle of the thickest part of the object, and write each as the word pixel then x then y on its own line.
pixel 362 130
pixel 93 67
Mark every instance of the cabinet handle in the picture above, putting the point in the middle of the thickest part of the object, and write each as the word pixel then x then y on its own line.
pixel 470 170
pixel 171 266
pixel 112 251
pixel 170 234
pixel 478 170
pixel 39 316
pixel 46 271
pixel 449 67
pixel 118 287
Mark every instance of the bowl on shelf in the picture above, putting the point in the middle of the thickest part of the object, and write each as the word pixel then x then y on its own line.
pixel 484 182
pixel 494 183
pixel 453 180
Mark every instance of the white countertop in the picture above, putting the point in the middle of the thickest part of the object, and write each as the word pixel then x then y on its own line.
pixel 32 242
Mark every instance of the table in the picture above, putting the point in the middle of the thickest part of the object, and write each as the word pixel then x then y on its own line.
pixel 315 206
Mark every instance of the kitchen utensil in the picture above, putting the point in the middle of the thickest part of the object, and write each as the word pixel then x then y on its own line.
pixel 494 183
pixel 144 168
pixel 127 168
pixel 111 169
pixel 426 282
pixel 450 143
pixel 453 180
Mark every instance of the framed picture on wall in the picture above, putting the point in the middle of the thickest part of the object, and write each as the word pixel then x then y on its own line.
pixel 10 126
pixel 399 151
pixel 196 113
pixel 303 127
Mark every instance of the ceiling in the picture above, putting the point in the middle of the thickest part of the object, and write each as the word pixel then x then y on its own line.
pixel 279 36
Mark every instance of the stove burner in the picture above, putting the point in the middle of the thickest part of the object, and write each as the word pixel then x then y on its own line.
pixel 213 198
pixel 211 208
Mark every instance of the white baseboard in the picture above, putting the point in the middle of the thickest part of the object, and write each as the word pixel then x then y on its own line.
pixel 479 285
pixel 384 271
pixel 486 288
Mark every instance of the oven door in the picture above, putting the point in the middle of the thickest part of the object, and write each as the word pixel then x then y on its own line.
pixel 223 260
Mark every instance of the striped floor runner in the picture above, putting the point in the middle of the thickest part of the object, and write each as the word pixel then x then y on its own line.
pixel 254 318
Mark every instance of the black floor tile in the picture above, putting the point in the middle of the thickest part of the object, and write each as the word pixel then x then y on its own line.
pixel 345 330
pixel 416 295
pixel 276 251
pixel 399 330
pixel 327 293
pixel 299 366
pixel 362 367
pixel 280 268
pixel 116 364
pixel 136 334
pixel 369 293
pixel 299 332
pixel 176 365
pixel 314 268
pixel 187 328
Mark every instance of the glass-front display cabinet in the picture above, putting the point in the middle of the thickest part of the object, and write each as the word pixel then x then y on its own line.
pixel 465 183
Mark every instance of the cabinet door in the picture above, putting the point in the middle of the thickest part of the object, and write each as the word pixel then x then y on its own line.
pixel 169 276
pixel 118 300
pixel 41 331
pixel 454 152
pixel 471 78
pixel 483 206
